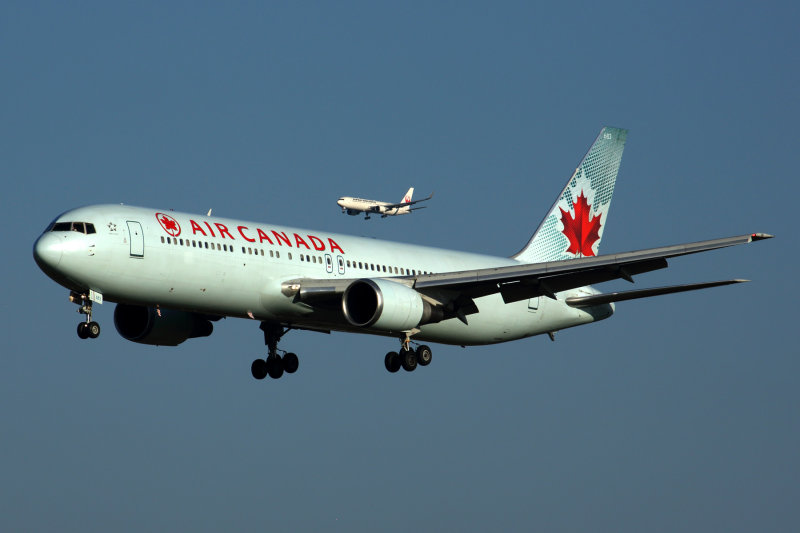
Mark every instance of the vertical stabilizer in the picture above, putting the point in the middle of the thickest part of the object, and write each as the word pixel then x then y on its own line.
pixel 409 194
pixel 574 225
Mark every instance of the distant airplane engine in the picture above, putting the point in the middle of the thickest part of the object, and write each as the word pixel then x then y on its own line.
pixel 386 305
pixel 352 212
pixel 144 325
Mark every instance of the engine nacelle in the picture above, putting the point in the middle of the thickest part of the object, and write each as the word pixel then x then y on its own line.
pixel 386 305
pixel 144 325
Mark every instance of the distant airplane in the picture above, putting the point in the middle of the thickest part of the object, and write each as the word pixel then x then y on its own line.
pixel 172 274
pixel 354 206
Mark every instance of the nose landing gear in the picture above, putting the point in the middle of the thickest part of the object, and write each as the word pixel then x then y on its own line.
pixel 87 329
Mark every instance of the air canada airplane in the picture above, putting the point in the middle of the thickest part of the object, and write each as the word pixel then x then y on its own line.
pixel 354 206
pixel 172 274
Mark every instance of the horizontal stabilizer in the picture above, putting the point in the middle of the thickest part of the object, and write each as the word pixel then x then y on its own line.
pixel 597 299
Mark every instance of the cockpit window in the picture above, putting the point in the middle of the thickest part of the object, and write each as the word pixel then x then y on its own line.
pixel 80 227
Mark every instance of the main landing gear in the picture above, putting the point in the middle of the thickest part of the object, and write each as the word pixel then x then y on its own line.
pixel 408 358
pixel 87 329
pixel 274 365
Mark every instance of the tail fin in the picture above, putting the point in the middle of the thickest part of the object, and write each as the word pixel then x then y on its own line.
pixel 574 225
pixel 409 194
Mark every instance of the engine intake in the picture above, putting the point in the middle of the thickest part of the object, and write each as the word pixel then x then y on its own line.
pixel 386 305
pixel 144 325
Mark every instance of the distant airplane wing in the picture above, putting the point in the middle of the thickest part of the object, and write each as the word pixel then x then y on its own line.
pixel 405 204
pixel 457 290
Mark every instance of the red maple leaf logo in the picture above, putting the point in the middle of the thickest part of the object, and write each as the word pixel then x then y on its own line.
pixel 580 230
pixel 169 224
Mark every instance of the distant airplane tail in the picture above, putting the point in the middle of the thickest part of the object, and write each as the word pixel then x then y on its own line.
pixel 407 197
pixel 574 225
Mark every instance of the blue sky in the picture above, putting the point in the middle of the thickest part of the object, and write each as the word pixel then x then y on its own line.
pixel 679 413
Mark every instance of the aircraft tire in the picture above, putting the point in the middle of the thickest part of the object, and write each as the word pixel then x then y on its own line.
pixel 408 359
pixel 93 330
pixel 83 330
pixel 424 355
pixel 274 366
pixel 259 369
pixel 392 362
pixel 290 363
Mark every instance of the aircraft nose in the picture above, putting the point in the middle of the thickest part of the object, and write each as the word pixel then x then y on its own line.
pixel 47 251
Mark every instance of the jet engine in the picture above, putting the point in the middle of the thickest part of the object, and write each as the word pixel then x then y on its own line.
pixel 169 328
pixel 387 305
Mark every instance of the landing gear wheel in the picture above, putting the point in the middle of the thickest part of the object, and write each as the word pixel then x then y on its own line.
pixel 83 330
pixel 259 369
pixel 392 362
pixel 408 359
pixel 290 363
pixel 274 366
pixel 424 355
pixel 93 330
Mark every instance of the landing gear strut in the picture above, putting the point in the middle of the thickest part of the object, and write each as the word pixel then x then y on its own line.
pixel 274 365
pixel 87 329
pixel 408 358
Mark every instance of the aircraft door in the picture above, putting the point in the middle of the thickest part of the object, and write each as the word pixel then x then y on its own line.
pixel 340 261
pixel 328 264
pixel 137 238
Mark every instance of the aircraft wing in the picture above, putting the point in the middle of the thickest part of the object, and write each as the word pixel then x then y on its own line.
pixel 520 282
pixel 456 290
pixel 405 204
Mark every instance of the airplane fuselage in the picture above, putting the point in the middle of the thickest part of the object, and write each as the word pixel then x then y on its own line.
pixel 356 206
pixel 225 267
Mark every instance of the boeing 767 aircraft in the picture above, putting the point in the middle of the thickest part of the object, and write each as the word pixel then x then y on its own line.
pixel 172 274
pixel 353 206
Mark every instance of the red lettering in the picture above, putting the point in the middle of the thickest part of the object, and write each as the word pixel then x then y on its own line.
pixel 281 237
pixel 209 228
pixel 334 246
pixel 245 237
pixel 223 231
pixel 263 236
pixel 196 227
pixel 317 242
pixel 299 240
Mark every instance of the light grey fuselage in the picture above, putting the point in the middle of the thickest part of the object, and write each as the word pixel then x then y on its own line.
pixel 227 267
